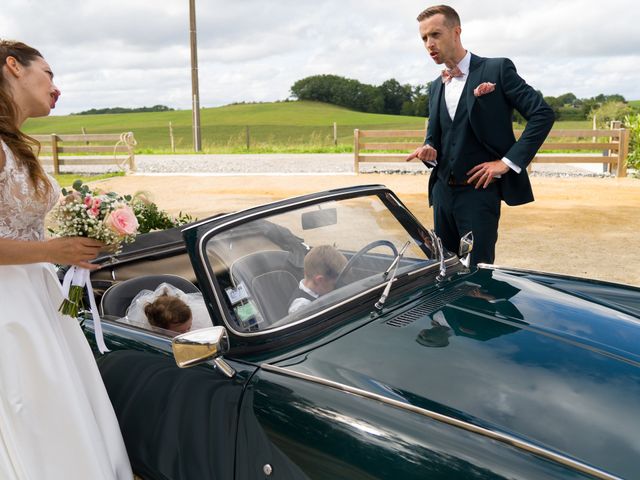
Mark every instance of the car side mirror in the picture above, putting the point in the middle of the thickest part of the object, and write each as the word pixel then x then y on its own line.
pixel 193 348
pixel 466 246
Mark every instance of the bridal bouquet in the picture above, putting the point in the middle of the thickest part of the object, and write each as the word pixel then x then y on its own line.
pixel 107 217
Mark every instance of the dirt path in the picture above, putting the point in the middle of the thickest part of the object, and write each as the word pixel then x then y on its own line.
pixel 579 226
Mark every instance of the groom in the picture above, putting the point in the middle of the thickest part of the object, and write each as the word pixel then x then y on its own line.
pixel 470 144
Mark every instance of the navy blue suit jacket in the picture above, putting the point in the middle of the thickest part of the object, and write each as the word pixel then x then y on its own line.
pixel 490 118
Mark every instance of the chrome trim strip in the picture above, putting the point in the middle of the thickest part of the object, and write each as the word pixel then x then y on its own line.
pixel 497 436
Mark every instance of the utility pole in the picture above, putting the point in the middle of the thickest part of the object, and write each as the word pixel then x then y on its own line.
pixel 195 93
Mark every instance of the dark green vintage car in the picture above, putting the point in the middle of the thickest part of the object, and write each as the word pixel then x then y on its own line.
pixel 413 367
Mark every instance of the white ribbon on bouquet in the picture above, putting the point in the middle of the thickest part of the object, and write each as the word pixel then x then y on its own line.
pixel 81 277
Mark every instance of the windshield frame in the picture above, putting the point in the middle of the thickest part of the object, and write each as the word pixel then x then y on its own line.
pixel 209 229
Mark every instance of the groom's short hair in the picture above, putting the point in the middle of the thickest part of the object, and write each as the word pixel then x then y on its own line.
pixel 451 17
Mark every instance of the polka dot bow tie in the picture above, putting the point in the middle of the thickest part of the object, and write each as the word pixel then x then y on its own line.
pixel 447 74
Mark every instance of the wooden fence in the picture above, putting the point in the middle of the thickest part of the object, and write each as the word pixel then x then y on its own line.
pixel 87 149
pixel 607 146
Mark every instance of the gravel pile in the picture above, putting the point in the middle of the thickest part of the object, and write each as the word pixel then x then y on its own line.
pixel 300 164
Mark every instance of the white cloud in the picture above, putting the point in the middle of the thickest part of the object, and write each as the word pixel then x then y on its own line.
pixel 136 52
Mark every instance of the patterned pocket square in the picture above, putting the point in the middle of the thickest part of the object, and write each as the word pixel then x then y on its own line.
pixel 484 88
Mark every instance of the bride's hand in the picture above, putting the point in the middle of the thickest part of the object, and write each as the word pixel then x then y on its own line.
pixel 74 251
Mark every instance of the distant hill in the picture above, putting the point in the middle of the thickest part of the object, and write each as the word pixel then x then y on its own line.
pixel 283 124
pixel 102 111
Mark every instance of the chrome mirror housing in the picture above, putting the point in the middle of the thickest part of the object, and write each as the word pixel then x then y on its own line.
pixel 466 246
pixel 193 348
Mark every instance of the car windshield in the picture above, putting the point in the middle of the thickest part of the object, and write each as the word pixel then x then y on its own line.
pixel 278 270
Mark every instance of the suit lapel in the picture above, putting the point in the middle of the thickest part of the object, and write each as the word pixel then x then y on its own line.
pixel 476 67
pixel 434 103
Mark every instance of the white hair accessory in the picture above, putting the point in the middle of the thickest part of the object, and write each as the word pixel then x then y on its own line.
pixel 136 316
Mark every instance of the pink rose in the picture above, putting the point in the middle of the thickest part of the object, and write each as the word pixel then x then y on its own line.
pixel 87 201
pixel 122 221
pixel 97 202
pixel 484 88
pixel 93 212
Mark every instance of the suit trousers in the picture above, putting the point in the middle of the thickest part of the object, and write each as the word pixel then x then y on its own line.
pixel 458 210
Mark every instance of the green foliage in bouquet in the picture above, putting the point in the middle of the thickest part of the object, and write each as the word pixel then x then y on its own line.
pixel 150 217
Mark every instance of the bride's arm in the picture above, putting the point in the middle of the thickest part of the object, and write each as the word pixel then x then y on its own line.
pixel 63 251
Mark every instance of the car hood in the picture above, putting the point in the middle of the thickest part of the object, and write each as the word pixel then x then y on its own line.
pixel 505 352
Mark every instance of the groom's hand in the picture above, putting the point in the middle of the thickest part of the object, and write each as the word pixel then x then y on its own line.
pixel 74 251
pixel 482 175
pixel 426 153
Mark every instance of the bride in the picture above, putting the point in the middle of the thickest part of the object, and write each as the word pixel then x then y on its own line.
pixel 56 421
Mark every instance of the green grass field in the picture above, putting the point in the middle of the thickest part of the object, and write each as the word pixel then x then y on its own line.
pixel 65 180
pixel 273 127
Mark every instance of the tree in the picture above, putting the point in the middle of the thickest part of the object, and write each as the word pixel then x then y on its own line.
pixel 341 91
pixel 394 96
pixel 420 97
pixel 567 99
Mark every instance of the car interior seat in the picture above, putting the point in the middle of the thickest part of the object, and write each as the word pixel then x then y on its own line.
pixel 271 278
pixel 117 298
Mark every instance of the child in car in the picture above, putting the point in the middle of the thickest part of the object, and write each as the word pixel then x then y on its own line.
pixel 322 266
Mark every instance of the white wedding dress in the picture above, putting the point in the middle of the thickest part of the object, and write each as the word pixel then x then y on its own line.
pixel 56 420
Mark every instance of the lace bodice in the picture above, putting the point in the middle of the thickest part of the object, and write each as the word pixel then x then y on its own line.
pixel 22 213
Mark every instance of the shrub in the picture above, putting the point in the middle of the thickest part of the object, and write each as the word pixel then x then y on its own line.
pixel 632 123
pixel 610 111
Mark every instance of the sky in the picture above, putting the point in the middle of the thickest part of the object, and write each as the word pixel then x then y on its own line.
pixel 133 53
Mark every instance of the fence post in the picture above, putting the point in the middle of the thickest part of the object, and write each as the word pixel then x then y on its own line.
pixel 54 154
pixel 84 132
pixel 130 142
pixel 335 134
pixel 172 139
pixel 248 137
pixel 623 152
pixel 614 125
pixel 356 151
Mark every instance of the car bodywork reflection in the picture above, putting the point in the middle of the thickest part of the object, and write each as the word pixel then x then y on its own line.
pixel 177 423
pixel 330 434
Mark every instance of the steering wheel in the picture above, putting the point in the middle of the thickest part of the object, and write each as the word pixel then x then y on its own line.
pixel 340 281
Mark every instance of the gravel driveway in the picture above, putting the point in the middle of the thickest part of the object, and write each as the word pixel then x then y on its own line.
pixel 298 164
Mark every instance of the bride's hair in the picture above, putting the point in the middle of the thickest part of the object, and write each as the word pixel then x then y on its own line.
pixel 21 145
pixel 167 311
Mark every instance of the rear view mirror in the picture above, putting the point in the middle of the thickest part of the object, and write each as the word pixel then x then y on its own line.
pixel 319 218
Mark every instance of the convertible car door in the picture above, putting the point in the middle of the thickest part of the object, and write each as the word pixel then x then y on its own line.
pixel 293 429
pixel 177 423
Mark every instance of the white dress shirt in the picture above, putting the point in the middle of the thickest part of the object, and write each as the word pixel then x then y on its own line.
pixel 453 89
pixel 300 302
